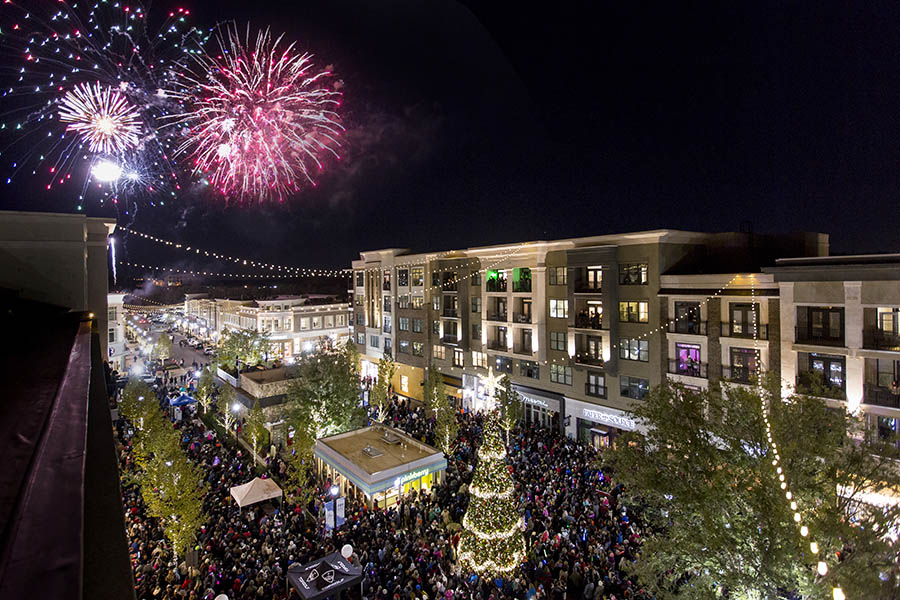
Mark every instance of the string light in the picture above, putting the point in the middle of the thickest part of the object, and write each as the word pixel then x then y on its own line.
pixel 157 268
pixel 301 271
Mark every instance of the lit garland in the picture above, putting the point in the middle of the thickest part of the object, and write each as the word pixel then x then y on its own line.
pixel 491 540
pixel 821 566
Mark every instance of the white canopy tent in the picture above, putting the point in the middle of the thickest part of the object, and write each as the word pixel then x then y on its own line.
pixel 255 491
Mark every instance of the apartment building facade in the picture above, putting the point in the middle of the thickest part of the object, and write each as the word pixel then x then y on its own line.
pixel 840 333
pixel 579 325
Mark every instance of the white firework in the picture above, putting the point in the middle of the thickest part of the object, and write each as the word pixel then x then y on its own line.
pixel 102 116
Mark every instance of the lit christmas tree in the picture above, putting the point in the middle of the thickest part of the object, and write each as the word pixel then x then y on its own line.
pixel 491 541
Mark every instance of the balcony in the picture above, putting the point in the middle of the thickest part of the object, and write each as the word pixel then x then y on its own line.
pixel 522 318
pixel 880 396
pixel 585 358
pixel 497 316
pixel 804 335
pixel 450 285
pixel 879 339
pixel 814 384
pixel 522 287
pixel 496 285
pixel 738 374
pixel 689 327
pixel 523 349
pixel 450 340
pixel 589 322
pixel 498 345
pixel 595 390
pixel 746 331
pixel 688 370
pixel 588 287
pixel 451 313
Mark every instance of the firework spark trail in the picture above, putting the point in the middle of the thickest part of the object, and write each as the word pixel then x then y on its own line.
pixel 103 117
pixel 51 50
pixel 261 120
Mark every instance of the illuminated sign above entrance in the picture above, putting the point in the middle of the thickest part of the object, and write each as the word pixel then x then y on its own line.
pixel 410 477
pixel 600 416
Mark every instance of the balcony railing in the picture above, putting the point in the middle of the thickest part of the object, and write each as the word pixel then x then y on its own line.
pixel 595 390
pixel 521 317
pixel 746 331
pixel 694 369
pixel 804 335
pixel 450 340
pixel 451 312
pixel 497 316
pixel 386 329
pixel 588 287
pixel 690 327
pixel 496 285
pixel 497 345
pixel 523 286
pixel 450 285
pixel 526 349
pixel 879 339
pixel 589 322
pixel 738 374
pixel 585 358
pixel 879 396
pixel 814 384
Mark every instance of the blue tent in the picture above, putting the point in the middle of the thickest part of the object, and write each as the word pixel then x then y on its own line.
pixel 181 400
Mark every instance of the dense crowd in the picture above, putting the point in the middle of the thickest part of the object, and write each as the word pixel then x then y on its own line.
pixel 579 531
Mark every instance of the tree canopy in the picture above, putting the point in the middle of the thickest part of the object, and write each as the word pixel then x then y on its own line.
pixel 247 347
pixel 436 402
pixel 719 516
pixel 380 395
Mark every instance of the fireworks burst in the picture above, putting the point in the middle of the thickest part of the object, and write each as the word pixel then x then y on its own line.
pixel 261 118
pixel 103 117
pixel 83 83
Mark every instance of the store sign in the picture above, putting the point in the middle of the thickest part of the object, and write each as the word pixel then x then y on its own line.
pixel 600 416
pixel 534 401
pixel 410 477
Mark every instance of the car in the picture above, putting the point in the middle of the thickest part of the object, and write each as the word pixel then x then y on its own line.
pixel 208 351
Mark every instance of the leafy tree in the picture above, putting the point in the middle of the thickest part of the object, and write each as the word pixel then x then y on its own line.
pixel 241 346
pixel 491 541
pixel 227 397
pixel 718 515
pixel 172 486
pixel 205 389
pixel 301 482
pixel 163 348
pixel 323 399
pixel 436 401
pixel 380 396
pixel 509 404
pixel 256 426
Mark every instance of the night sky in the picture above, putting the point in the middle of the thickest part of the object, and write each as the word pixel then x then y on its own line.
pixel 480 123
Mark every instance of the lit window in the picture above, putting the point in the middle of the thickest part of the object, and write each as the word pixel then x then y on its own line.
pixel 559 309
pixel 404 384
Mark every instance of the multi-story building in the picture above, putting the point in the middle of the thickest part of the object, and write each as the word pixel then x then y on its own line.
pixel 117 352
pixel 292 322
pixel 579 325
pixel 840 332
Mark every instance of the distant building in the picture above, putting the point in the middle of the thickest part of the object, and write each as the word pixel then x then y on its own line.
pixel 292 322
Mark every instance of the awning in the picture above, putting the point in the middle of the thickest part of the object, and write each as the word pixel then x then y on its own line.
pixel 324 577
pixel 544 399
pixel 255 491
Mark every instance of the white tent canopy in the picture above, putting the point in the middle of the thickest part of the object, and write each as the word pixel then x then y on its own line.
pixel 255 491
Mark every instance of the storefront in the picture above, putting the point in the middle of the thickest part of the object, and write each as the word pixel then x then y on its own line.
pixel 597 425
pixel 378 464
pixel 540 407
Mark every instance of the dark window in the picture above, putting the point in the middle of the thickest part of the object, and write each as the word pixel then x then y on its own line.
pixel 742 317
pixel 360 279
pixel 386 282
pixel 476 331
pixel 633 387
pixel 633 274
pixel 687 317
pixel 744 364
pixel 403 277
pixel 557 275
pixel 530 369
pixel 475 279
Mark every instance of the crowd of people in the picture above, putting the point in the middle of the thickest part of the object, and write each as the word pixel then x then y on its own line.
pixel 580 531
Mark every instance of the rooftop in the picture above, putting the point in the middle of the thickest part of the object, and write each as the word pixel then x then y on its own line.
pixel 381 455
